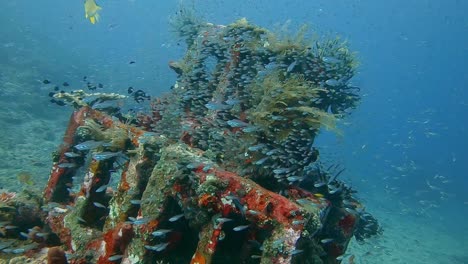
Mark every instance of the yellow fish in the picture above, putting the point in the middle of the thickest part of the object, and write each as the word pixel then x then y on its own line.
pixel 91 11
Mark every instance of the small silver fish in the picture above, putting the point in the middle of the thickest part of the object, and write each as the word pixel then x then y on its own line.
pixel 296 251
pixel 42 235
pixel 72 154
pixel 223 219
pixel 271 152
pixel 236 123
pixel 351 211
pixel 106 155
pixel 217 106
pixel 326 240
pixel 232 101
pixel 253 212
pixel 298 222
pixel 278 118
pixel 115 257
pixel 291 66
pixel 135 202
pixel 101 188
pixel 294 178
pixel 261 161
pixel 331 60
pixel 335 190
pixel 158 247
pixel 18 251
pixel 99 205
pixel 66 165
pixel 256 147
pixel 161 232
pixel 240 228
pixel 250 129
pixel 87 145
pixel 281 171
pixel 141 221
pixel 176 217
pixel 319 184
pixel 332 82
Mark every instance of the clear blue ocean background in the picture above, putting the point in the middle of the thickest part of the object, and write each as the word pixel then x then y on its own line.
pixel 405 148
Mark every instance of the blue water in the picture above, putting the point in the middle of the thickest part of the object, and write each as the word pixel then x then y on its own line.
pixel 404 148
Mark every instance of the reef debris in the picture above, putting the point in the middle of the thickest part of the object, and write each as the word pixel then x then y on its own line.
pixel 222 169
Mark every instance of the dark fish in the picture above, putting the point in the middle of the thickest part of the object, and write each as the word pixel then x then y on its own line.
pixel 237 203
pixel 91 86
pixel 139 96
pixel 100 85
pixel 131 62
pixel 130 90
pixel 51 94
pixel 56 88
pixel 45 81
pixel 84 78
pixel 65 84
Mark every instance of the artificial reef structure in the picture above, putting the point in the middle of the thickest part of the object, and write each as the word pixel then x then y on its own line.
pixel 222 169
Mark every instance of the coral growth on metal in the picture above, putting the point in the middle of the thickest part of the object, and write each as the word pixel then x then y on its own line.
pixel 222 169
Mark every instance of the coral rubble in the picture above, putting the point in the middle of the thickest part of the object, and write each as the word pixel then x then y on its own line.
pixel 223 169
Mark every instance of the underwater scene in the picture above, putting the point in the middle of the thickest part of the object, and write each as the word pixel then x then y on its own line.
pixel 220 131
